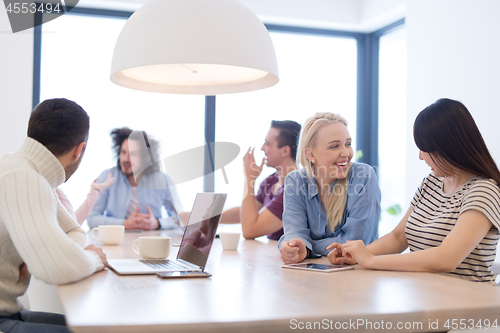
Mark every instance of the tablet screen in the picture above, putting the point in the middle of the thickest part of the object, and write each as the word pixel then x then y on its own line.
pixel 318 266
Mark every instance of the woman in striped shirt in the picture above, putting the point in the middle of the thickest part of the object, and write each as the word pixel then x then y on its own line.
pixel 453 223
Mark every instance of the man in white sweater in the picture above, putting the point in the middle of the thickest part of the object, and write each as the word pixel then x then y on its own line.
pixel 37 235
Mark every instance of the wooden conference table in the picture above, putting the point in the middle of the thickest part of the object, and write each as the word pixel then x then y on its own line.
pixel 250 292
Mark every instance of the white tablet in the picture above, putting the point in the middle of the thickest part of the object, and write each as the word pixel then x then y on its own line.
pixel 319 267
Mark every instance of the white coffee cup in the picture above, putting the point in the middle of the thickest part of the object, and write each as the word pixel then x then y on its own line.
pixel 109 234
pixel 229 240
pixel 152 247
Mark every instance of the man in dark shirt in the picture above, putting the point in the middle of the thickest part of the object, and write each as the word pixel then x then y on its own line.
pixel 261 214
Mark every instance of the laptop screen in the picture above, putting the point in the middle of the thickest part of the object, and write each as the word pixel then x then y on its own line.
pixel 201 228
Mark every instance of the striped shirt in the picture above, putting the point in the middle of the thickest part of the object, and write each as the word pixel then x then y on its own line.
pixel 435 213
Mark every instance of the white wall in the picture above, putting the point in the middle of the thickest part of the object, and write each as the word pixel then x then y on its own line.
pixel 453 52
pixel 16 82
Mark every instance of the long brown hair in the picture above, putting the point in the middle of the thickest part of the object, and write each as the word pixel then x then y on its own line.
pixel 446 129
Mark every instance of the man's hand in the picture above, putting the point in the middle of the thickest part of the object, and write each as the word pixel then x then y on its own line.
pixel 252 170
pixel 135 221
pixel 99 252
pixel 150 221
pixel 293 251
pixel 23 271
pixel 139 221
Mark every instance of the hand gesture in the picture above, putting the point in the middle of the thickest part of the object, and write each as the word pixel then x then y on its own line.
pixel 252 170
pixel 356 251
pixel 335 256
pixel 102 186
pixel 99 252
pixel 335 253
pixel 135 221
pixel 150 221
pixel 293 251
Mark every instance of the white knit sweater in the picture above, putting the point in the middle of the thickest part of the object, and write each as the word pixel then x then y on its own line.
pixel 35 228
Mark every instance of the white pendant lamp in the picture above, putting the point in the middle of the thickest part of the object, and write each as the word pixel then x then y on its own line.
pixel 205 47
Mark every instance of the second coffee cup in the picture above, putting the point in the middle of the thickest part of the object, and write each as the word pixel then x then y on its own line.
pixel 108 234
pixel 152 247
pixel 229 240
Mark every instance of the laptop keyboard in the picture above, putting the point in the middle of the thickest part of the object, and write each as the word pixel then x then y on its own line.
pixel 162 264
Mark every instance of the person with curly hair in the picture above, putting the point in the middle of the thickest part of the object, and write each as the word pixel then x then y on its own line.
pixel 140 189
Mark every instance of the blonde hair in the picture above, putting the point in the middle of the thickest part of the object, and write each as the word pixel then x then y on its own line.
pixel 307 139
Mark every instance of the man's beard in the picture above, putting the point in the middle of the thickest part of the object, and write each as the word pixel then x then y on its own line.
pixel 127 173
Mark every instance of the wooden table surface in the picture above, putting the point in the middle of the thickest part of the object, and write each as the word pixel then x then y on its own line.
pixel 250 292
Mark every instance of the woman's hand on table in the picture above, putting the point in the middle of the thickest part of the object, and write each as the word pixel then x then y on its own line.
pixel 336 255
pixel 355 252
pixel 293 251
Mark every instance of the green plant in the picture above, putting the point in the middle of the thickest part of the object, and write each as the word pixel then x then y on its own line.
pixel 359 154
pixel 394 209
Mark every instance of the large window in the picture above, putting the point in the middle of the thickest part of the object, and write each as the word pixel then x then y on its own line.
pixel 317 74
pixel 392 127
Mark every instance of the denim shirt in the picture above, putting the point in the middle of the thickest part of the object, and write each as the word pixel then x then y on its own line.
pixel 302 208
pixel 112 204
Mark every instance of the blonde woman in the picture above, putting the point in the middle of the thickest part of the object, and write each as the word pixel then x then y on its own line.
pixel 330 199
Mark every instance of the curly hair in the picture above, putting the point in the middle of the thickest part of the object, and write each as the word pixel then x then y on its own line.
pixel 151 151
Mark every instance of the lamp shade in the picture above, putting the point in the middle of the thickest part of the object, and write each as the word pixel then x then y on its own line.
pixel 205 47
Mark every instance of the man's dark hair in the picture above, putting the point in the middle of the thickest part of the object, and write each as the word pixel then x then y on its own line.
pixel 289 135
pixel 59 124
pixel 118 135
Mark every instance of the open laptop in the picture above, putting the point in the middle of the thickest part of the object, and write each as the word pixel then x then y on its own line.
pixel 195 245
